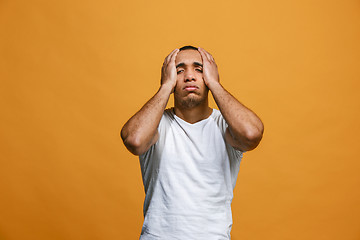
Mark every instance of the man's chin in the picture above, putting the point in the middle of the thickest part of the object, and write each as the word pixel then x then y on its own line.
pixel 191 101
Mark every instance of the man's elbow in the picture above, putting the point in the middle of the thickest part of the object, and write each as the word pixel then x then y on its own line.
pixel 252 139
pixel 133 146
pixel 132 143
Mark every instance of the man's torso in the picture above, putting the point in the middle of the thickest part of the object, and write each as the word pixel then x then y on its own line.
pixel 189 176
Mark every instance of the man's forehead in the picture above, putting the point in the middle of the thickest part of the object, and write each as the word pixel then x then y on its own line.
pixel 188 57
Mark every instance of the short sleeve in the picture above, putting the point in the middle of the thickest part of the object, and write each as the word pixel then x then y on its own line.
pixel 147 166
pixel 235 155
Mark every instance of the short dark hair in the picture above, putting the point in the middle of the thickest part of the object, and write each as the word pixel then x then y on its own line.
pixel 188 47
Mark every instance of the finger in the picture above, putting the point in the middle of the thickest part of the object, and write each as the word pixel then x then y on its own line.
pixel 211 59
pixel 208 55
pixel 174 54
pixel 171 58
pixel 203 56
pixel 167 59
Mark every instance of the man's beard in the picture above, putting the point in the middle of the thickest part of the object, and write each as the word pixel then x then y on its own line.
pixel 191 101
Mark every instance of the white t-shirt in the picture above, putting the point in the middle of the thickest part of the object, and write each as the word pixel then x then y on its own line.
pixel 189 176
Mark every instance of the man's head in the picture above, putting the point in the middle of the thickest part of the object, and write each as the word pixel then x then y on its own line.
pixel 190 90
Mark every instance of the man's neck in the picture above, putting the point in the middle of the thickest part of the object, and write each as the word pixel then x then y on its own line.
pixel 195 114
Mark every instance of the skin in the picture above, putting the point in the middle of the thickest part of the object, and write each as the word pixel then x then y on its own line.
pixel 190 104
pixel 190 74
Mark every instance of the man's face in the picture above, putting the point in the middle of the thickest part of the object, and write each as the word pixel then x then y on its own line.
pixel 190 89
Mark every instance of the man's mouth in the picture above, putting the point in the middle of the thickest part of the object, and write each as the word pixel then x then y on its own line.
pixel 191 88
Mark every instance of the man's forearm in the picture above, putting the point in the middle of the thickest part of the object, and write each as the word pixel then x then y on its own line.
pixel 245 127
pixel 139 132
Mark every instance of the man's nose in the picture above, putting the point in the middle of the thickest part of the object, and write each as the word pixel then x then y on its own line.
pixel 189 76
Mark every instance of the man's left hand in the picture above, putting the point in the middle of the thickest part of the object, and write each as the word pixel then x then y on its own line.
pixel 210 71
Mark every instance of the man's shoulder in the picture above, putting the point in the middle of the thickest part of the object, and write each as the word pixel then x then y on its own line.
pixel 219 119
pixel 167 117
pixel 168 113
pixel 216 115
pixel 216 112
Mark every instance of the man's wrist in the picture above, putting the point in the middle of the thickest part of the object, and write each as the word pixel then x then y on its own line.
pixel 167 87
pixel 213 85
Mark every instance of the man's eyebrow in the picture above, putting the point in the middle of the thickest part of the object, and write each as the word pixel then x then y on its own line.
pixel 194 63
pixel 180 65
pixel 197 64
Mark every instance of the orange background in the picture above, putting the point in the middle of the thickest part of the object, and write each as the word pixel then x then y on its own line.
pixel 73 72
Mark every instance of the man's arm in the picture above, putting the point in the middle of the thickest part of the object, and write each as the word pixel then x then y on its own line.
pixel 245 128
pixel 140 132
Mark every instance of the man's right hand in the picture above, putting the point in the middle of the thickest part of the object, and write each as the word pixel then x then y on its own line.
pixel 168 71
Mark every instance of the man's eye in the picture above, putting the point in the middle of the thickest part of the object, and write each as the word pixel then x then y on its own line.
pixel 179 71
pixel 199 70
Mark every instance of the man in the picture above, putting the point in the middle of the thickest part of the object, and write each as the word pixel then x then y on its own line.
pixel 190 154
